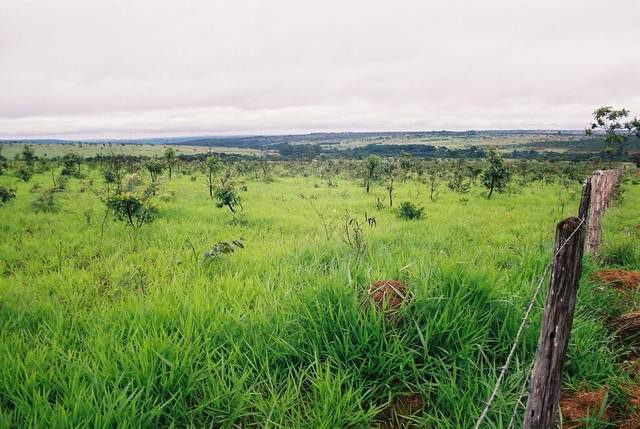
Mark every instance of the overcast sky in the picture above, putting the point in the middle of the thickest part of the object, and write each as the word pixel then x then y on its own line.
pixel 134 68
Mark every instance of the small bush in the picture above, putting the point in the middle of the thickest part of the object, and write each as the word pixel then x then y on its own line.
pixel 24 173
pixel 410 211
pixel 47 201
pixel 6 194
pixel 133 210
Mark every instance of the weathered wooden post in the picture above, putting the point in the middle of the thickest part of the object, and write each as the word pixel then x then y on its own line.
pixel 585 201
pixel 546 379
pixel 603 184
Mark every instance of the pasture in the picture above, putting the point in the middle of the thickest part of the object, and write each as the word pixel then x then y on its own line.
pixel 103 325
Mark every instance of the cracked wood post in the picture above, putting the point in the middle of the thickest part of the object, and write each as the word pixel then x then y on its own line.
pixel 585 201
pixel 602 187
pixel 546 379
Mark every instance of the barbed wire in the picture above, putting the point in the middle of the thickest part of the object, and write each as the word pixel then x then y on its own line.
pixel 523 324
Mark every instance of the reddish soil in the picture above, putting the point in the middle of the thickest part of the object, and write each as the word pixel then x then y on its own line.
pixel 577 406
pixel 395 415
pixel 619 279
pixel 391 293
pixel 628 325
pixel 632 415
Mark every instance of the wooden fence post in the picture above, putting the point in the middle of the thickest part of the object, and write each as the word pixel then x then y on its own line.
pixel 603 184
pixel 585 201
pixel 546 379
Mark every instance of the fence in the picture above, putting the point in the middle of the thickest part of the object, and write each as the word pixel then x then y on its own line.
pixel 557 319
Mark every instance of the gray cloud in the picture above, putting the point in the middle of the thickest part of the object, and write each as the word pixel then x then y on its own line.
pixel 116 68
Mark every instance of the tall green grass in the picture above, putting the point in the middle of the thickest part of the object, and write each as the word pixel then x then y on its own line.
pixel 104 327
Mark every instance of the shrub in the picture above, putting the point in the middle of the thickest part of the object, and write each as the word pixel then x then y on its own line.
pixel 410 211
pixel 24 173
pixel 6 194
pixel 47 201
pixel 134 210
pixel 223 248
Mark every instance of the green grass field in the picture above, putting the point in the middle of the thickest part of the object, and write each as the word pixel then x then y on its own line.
pixel 52 150
pixel 102 326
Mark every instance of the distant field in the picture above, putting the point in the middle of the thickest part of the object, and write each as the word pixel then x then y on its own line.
pixel 510 141
pixel 51 150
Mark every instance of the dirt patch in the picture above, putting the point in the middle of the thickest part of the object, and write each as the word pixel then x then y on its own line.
pixel 397 414
pixel 578 406
pixel 632 415
pixel 619 279
pixel 628 326
pixel 389 293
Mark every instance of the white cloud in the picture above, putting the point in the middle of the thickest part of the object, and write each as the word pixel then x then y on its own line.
pixel 115 68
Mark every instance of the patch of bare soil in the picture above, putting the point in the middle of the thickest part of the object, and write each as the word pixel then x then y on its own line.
pixel 628 326
pixel 389 293
pixel 396 414
pixel 578 406
pixel 631 419
pixel 619 279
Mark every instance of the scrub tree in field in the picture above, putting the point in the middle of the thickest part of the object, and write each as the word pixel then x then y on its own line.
pixel 3 162
pixel 616 132
pixel 71 165
pixel 496 175
pixel 227 194
pixel 170 159
pixel 213 165
pixel 371 169
pixel 28 156
pixel 389 170
pixel 155 168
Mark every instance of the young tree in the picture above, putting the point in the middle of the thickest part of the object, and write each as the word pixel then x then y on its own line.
pixel 155 168
pixel 389 170
pixel 71 165
pixel 227 193
pixel 3 162
pixel 114 171
pixel 616 132
pixel 370 169
pixel 213 165
pixel 170 159
pixel 135 210
pixel 496 175
pixel 28 155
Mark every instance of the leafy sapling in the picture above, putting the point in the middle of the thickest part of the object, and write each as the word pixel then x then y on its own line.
pixel 496 176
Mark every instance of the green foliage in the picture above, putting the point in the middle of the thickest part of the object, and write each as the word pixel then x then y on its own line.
pixel 222 248
pixel 4 164
pixel 496 175
pixel 371 170
pixel 133 209
pixel 617 133
pixel 47 201
pixel 6 194
pixel 170 159
pixel 410 211
pixel 213 166
pixel 71 165
pixel 28 155
pixel 228 196
pixel 105 328
pixel 24 173
pixel 155 168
